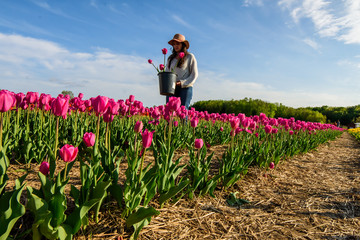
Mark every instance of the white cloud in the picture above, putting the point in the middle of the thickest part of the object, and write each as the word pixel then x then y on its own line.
pixel 311 43
pixel 338 20
pixel 181 21
pixel 29 64
pixel 248 3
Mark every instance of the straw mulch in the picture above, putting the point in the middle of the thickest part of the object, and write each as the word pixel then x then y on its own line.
pixel 311 196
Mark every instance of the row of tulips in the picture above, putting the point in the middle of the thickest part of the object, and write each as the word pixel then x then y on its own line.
pixel 100 133
pixel 355 132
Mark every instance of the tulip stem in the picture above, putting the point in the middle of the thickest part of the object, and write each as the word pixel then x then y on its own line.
pixel 141 165
pixel 66 164
pixel 169 133
pixel 198 158
pixel 17 121
pixel 107 137
pixel 97 132
pixel 56 136
pixel 1 129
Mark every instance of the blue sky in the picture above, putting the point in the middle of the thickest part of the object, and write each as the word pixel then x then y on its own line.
pixel 296 52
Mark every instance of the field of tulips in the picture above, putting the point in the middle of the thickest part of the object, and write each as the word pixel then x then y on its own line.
pixel 101 133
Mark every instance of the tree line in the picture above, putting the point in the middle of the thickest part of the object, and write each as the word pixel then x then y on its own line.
pixel 251 107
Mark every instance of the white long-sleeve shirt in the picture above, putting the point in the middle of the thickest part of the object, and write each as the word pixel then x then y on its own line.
pixel 188 73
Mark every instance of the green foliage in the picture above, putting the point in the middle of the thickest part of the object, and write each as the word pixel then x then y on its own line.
pixel 346 115
pixel 10 208
pixel 67 92
pixel 233 201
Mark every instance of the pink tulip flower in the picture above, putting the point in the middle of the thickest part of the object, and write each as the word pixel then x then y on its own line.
pixel 156 113
pixel 89 139
pixel 19 98
pixel 113 107
pixel 234 122
pixel 138 126
pixel 164 51
pixel 147 138
pixel 194 122
pixel 181 54
pixel 100 104
pixel 107 116
pixel 60 107
pixel 32 97
pixel 150 61
pixel 199 143
pixel 44 168
pixel 268 129
pixel 44 101
pixel 173 104
pixel 68 153
pixel 262 116
pixel 7 100
pixel 131 98
pixel 161 67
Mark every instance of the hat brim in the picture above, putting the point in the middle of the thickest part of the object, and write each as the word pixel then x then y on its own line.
pixel 187 45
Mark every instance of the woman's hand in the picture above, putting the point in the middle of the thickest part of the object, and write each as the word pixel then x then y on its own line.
pixel 178 84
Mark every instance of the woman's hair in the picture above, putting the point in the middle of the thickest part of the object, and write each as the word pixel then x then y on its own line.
pixel 174 54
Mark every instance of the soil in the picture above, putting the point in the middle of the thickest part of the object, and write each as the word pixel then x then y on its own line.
pixel 310 196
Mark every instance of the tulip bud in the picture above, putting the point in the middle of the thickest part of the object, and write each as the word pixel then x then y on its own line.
pixel 89 139
pixel 194 122
pixel 199 143
pixel 131 98
pixel 150 61
pixel 181 54
pixel 271 165
pixel 138 126
pixel 164 51
pixel 161 67
pixel 147 138
pixel 44 168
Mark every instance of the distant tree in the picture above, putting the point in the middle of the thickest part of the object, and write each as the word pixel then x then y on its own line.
pixel 66 92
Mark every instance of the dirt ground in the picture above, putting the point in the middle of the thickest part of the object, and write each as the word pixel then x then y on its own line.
pixel 311 196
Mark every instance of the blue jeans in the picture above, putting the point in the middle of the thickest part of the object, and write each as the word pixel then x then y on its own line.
pixel 185 95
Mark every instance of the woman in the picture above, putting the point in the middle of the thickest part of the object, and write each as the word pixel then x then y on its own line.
pixel 185 68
